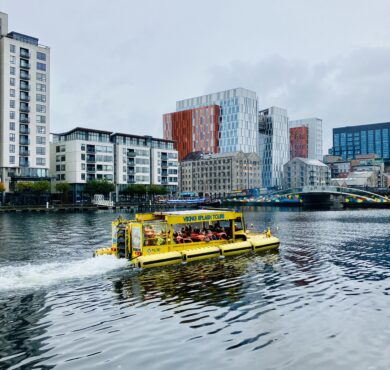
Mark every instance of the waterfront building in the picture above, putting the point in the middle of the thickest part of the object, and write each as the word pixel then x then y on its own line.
pixel 81 155
pixel 306 138
pixel 362 179
pixel 350 141
pixel 222 122
pixel 145 160
pixel 273 144
pixel 219 174
pixel 300 172
pixel 25 106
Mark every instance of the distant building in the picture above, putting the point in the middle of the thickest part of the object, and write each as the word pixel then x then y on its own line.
pixel 300 172
pixel 219 174
pixel 25 107
pixel 81 155
pixel 273 145
pixel 350 141
pixel 362 179
pixel 307 142
pixel 222 122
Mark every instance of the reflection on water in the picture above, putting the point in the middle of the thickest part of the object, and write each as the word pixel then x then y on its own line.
pixel 320 302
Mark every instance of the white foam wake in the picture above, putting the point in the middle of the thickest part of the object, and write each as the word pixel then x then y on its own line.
pixel 36 275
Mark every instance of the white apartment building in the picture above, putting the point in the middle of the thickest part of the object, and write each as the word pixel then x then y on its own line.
pixel 145 160
pixel 219 174
pixel 83 154
pixel 24 106
pixel 314 142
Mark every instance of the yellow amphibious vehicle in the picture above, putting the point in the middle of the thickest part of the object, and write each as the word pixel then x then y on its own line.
pixel 165 238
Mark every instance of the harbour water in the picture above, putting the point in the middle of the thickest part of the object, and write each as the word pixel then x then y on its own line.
pixel 321 302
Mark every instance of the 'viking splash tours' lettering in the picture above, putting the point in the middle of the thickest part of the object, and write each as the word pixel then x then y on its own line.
pixel 203 218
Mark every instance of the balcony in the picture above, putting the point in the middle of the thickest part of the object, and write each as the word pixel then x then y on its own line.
pixel 91 169
pixel 24 141
pixel 24 153
pixel 25 98
pixel 164 164
pixel 130 163
pixel 24 130
pixel 131 154
pixel 24 120
pixel 25 87
pixel 91 159
pixel 25 65
pixel 24 109
pixel 24 76
pixel 25 54
pixel 91 149
pixel 24 163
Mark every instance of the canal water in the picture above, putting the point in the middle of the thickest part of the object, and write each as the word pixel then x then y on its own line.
pixel 322 302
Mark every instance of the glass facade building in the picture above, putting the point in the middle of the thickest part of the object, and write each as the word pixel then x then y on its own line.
pixel 273 145
pixel 238 121
pixel 350 141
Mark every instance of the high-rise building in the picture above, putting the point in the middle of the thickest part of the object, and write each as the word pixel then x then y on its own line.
pixel 273 145
pixel 232 114
pixel 350 141
pixel 24 106
pixel 313 139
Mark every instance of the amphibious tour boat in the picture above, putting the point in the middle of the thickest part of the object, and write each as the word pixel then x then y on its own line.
pixel 165 238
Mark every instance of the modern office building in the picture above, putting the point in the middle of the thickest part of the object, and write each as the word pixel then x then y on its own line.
pixel 145 160
pixel 82 154
pixel 312 141
pixel 350 141
pixel 24 106
pixel 273 145
pixel 232 114
pixel 193 129
pixel 300 172
pixel 219 174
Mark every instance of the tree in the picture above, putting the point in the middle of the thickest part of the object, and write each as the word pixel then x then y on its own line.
pixel 157 189
pixel 23 186
pixel 63 188
pixel 2 187
pixel 99 187
pixel 41 186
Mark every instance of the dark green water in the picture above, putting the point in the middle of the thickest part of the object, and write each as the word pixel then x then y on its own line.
pixel 322 302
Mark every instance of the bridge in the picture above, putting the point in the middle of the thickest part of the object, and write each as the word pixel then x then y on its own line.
pixel 326 194
pixel 316 196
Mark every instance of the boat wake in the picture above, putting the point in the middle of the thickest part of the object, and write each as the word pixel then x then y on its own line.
pixel 38 275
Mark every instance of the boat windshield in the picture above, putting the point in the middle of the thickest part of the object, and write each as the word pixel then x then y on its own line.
pixel 155 233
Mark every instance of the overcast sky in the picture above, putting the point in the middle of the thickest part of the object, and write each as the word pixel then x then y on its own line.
pixel 119 65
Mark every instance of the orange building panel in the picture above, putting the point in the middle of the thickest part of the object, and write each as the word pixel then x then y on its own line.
pixel 298 142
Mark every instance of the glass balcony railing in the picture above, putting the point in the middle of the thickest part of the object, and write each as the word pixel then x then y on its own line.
pixel 24 130
pixel 25 87
pixel 24 120
pixel 25 76
pixel 25 65
pixel 24 109
pixel 24 98
pixel 25 54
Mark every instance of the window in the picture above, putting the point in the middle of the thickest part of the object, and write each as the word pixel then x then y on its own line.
pixel 41 87
pixel 41 108
pixel 83 176
pixel 12 59
pixel 12 103
pixel 12 70
pixel 41 130
pixel 41 140
pixel 58 167
pixel 12 48
pixel 41 77
pixel 12 137
pixel 41 150
pixel 12 159
pixel 83 166
pixel 83 147
pixel 41 98
pixel 41 119
pixel 12 92
pixel 41 161
pixel 41 66
pixel 82 156
pixel 12 81
pixel 41 56
pixel 12 126
pixel 12 148
pixel 63 167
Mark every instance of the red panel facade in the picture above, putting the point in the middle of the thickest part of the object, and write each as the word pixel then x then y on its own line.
pixel 193 130
pixel 298 142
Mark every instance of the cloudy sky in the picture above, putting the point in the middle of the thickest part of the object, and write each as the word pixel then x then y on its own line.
pixel 119 65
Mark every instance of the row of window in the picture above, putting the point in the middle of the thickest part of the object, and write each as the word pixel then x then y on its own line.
pixel 40 55
pixel 38 161
pixel 39 150
pixel 40 130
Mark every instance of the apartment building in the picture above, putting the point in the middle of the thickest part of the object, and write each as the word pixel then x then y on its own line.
pixel 24 106
pixel 219 174
pixel 81 155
